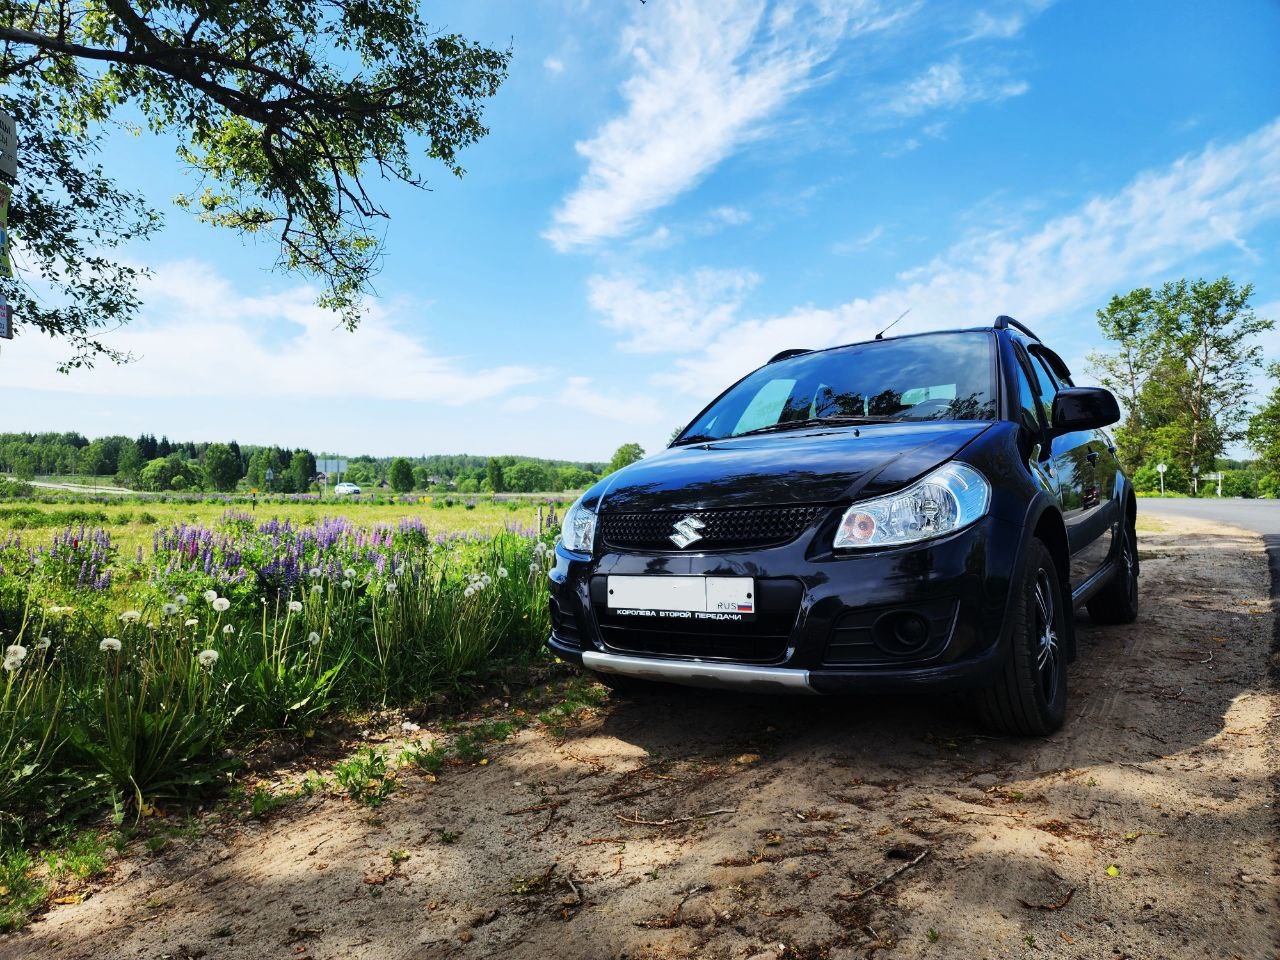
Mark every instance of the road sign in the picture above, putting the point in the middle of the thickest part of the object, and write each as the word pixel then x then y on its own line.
pixel 6 319
pixel 1161 467
pixel 8 144
pixel 6 266
pixel 269 475
pixel 331 466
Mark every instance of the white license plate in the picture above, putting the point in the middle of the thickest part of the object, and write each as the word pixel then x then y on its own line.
pixel 735 595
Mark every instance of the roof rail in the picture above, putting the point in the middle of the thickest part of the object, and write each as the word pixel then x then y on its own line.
pixel 1002 322
pixel 788 354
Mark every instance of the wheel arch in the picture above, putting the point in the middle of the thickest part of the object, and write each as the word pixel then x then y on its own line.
pixel 1045 523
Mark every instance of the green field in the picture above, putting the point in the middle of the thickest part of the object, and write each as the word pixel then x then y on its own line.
pixel 133 523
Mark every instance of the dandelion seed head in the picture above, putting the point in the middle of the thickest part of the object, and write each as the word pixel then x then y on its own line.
pixel 192 622
pixel 313 638
pixel 210 595
pixel 228 629
pixel 181 600
pixel 222 604
pixel 109 645
pixel 315 588
pixel 43 643
pixel 346 584
pixel 207 658
pixel 169 609
pixel 130 616
pixel 295 606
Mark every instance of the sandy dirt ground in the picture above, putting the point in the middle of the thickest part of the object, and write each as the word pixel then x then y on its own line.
pixel 726 826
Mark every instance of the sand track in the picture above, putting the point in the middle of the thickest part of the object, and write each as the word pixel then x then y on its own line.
pixel 1164 773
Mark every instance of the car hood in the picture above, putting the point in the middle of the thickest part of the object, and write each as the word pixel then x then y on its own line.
pixel 821 465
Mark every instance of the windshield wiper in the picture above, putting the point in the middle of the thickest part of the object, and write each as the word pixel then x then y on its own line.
pixel 813 422
pixel 693 438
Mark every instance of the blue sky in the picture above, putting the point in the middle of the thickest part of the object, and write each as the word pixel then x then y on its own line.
pixel 674 191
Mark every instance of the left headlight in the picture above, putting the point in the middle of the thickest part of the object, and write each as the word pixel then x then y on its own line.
pixel 578 532
pixel 948 499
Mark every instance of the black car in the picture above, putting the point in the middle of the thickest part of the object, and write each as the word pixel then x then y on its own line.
pixel 917 512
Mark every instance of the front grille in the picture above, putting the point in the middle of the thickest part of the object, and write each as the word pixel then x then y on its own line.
pixel 763 639
pixel 564 624
pixel 734 529
pixel 852 640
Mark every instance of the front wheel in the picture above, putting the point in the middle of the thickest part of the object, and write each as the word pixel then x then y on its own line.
pixel 1028 697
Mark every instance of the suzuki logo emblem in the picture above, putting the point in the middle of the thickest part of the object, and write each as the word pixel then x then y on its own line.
pixel 687 532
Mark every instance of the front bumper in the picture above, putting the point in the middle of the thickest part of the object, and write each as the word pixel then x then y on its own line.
pixel 817 635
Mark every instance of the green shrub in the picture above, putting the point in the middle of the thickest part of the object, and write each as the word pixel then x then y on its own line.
pixel 15 490
pixel 365 777
pixel 21 891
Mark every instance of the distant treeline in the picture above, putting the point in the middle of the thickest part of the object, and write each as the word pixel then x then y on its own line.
pixel 149 463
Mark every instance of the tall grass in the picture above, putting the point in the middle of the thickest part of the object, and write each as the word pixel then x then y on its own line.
pixel 127 678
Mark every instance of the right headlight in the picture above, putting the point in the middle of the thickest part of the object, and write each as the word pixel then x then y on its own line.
pixel 578 532
pixel 948 499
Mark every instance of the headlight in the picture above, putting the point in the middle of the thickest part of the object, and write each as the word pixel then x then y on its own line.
pixel 950 498
pixel 578 532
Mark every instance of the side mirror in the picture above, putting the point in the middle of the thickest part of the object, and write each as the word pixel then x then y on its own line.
pixel 1084 408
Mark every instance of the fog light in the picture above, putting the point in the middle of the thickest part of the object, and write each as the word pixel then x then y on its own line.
pixel 901 633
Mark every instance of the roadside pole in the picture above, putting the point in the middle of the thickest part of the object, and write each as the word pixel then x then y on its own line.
pixel 1160 469
pixel 8 177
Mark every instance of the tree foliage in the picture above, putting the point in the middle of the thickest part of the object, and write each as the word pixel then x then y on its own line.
pixel 624 456
pixel 222 466
pixel 285 111
pixel 1183 368
pixel 1264 432
pixel 400 476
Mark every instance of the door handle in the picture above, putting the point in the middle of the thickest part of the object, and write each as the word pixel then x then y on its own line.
pixel 1092 456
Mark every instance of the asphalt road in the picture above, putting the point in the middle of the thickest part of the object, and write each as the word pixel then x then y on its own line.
pixel 1260 516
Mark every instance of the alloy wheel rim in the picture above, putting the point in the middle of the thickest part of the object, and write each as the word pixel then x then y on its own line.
pixel 1130 571
pixel 1047 650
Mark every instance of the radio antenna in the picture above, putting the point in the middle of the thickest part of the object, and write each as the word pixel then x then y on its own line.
pixel 880 335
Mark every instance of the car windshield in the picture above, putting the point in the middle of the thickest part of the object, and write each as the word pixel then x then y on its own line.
pixel 944 376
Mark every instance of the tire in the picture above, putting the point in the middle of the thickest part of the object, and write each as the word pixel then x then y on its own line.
pixel 1028 697
pixel 1117 602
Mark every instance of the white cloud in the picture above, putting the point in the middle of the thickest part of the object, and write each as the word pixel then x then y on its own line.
pixel 706 75
pixel 553 65
pixel 636 410
pixel 1004 24
pixel 200 336
pixel 907 146
pixel 1047 276
pixel 859 244
pixel 685 314
pixel 949 85
pixel 730 216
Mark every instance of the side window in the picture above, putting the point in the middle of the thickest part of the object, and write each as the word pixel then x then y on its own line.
pixel 1027 400
pixel 1048 387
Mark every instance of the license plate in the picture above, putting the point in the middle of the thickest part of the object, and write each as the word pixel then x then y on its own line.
pixel 653 596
